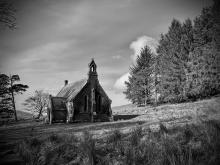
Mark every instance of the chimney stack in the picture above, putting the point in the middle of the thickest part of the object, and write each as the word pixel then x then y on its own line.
pixel 65 82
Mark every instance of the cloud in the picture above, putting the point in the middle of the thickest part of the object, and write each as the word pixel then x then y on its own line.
pixel 140 43
pixel 120 82
pixel 117 98
pixel 57 43
pixel 136 46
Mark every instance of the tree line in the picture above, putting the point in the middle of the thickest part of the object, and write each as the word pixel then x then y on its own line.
pixel 186 66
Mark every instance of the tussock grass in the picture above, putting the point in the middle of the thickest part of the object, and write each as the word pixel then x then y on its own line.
pixel 187 145
pixel 136 135
pixel 54 149
pixel 88 149
pixel 115 136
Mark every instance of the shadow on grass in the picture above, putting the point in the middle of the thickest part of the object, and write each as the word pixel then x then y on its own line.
pixel 124 117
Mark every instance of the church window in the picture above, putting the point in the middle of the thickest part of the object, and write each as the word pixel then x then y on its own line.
pixel 86 103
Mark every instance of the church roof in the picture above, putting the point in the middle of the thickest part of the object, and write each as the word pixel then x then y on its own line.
pixel 71 90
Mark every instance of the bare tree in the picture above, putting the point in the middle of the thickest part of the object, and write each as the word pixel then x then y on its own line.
pixel 7 14
pixel 37 103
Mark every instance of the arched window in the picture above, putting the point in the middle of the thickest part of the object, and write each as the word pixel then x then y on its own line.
pixel 92 68
pixel 100 103
pixel 85 103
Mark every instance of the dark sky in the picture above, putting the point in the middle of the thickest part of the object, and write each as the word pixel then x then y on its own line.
pixel 55 40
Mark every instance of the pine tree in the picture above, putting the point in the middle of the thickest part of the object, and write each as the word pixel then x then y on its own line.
pixel 188 60
pixel 187 65
pixel 205 57
pixel 156 80
pixel 140 83
pixel 173 61
pixel 8 90
pixel 5 99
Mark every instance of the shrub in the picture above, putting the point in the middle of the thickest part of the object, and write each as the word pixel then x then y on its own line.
pixel 29 150
pixel 210 144
pixel 163 129
pixel 188 133
pixel 146 153
pixel 54 149
pixel 174 153
pixel 136 135
pixel 25 153
pixel 54 138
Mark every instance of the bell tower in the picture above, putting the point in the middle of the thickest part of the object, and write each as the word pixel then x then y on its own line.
pixel 92 71
pixel 93 80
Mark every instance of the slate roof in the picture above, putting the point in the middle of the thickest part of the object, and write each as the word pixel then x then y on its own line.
pixel 71 90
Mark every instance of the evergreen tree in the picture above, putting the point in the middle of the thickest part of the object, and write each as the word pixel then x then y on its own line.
pixel 205 57
pixel 140 83
pixel 8 91
pixel 5 99
pixel 187 65
pixel 173 52
pixel 188 60
pixel 157 80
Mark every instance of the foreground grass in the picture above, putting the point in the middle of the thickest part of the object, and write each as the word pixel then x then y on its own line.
pixel 187 145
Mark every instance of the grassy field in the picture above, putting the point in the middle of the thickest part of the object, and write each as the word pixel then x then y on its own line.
pixel 184 133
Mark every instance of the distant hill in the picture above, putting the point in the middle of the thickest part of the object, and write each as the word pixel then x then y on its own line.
pixel 24 114
pixel 9 117
pixel 123 106
pixel 128 109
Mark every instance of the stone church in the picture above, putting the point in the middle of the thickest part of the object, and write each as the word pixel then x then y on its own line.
pixel 83 100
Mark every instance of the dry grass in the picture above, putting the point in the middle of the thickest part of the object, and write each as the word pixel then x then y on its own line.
pixel 188 145
pixel 144 139
pixel 167 111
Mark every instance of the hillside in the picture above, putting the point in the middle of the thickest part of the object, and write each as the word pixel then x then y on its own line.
pixel 175 118
pixel 174 114
pixel 120 109
pixel 207 109
pixel 131 109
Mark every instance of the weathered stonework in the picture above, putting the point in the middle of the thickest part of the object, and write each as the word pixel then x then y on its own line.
pixel 84 100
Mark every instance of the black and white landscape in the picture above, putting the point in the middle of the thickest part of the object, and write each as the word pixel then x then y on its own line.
pixel 110 82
